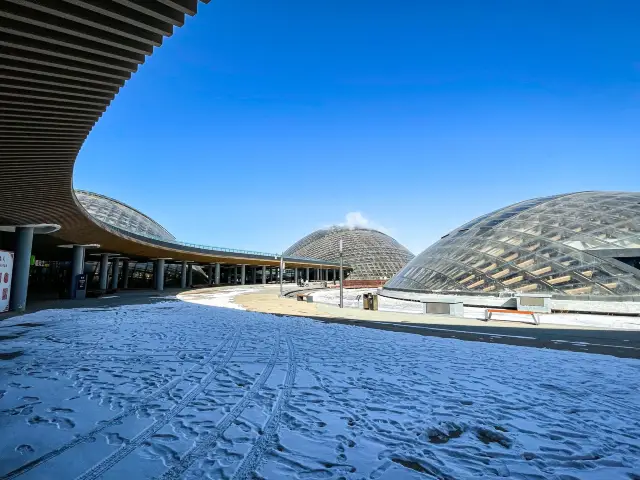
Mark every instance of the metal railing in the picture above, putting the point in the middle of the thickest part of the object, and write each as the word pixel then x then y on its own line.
pixel 176 243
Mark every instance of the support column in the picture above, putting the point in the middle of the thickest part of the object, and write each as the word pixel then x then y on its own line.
pixel 254 275
pixel 243 273
pixel 21 266
pixel 236 274
pixel 190 275
pixel 307 277
pixel 209 274
pixel 264 274
pixel 183 276
pixel 77 267
pixel 104 271
pixel 115 273
pixel 295 275
pixel 217 274
pixel 125 274
pixel 160 274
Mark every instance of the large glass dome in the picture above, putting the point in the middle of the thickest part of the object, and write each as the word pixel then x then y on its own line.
pixel 372 254
pixel 119 215
pixel 585 243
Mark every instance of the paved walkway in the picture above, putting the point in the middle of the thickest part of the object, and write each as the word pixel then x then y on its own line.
pixel 620 343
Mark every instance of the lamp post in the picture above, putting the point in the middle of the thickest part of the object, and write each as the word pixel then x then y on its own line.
pixel 341 277
pixel 281 273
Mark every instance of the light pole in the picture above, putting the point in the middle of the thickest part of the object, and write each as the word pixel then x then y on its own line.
pixel 341 277
pixel 281 273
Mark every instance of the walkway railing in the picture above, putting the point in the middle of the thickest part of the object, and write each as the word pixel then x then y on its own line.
pixel 175 244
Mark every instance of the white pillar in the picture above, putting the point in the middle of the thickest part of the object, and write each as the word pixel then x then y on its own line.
pixel 104 269
pixel 183 275
pixel 160 274
pixel 307 277
pixel 295 275
pixel 217 276
pixel 115 273
pixel 264 274
pixel 125 274
pixel 77 267
pixel 21 267
pixel 243 273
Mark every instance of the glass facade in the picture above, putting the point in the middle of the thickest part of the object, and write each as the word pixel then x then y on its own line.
pixel 117 214
pixel 576 244
pixel 372 254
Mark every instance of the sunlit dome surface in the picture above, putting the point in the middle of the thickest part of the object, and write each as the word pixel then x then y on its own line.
pixel 585 243
pixel 373 255
pixel 117 214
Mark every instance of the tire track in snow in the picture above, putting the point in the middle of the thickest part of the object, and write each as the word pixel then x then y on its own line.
pixel 203 447
pixel 125 413
pixel 98 469
pixel 253 459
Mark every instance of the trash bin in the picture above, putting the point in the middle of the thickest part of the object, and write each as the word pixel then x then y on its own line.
pixel 370 301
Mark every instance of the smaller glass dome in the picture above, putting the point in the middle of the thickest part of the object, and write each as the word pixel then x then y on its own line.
pixel 373 255
pixel 119 215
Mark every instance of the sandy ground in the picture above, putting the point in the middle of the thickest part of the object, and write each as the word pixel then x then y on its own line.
pixel 581 338
pixel 268 301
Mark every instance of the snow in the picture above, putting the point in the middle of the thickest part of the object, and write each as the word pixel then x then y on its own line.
pixel 178 389
pixel 353 299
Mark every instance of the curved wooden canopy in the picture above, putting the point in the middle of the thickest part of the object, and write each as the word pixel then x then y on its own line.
pixel 61 64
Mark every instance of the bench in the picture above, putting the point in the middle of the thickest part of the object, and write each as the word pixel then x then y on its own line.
pixel 489 311
pixel 304 297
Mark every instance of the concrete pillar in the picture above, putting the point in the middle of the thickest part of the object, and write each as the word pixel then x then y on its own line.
pixel 190 275
pixel 295 275
pixel 115 273
pixel 217 276
pixel 160 274
pixel 21 266
pixel 254 275
pixel 77 267
pixel 307 277
pixel 243 273
pixel 183 275
pixel 104 270
pixel 125 274
pixel 264 274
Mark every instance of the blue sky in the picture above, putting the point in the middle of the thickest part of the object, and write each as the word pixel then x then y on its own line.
pixel 258 122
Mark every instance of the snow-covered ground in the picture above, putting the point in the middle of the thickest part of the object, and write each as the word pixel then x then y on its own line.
pixel 353 299
pixel 184 390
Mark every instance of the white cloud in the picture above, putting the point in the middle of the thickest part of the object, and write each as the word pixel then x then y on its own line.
pixel 357 219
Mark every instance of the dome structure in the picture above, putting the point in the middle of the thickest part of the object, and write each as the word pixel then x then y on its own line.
pixel 577 244
pixel 119 215
pixel 373 255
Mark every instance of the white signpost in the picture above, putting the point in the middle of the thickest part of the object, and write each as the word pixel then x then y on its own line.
pixel 6 273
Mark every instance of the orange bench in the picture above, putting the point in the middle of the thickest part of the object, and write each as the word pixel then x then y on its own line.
pixel 489 311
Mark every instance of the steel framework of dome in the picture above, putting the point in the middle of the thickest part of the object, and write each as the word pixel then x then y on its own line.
pixel 120 215
pixel 372 254
pixel 577 244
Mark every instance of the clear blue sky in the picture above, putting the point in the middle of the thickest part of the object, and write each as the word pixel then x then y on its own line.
pixel 258 122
